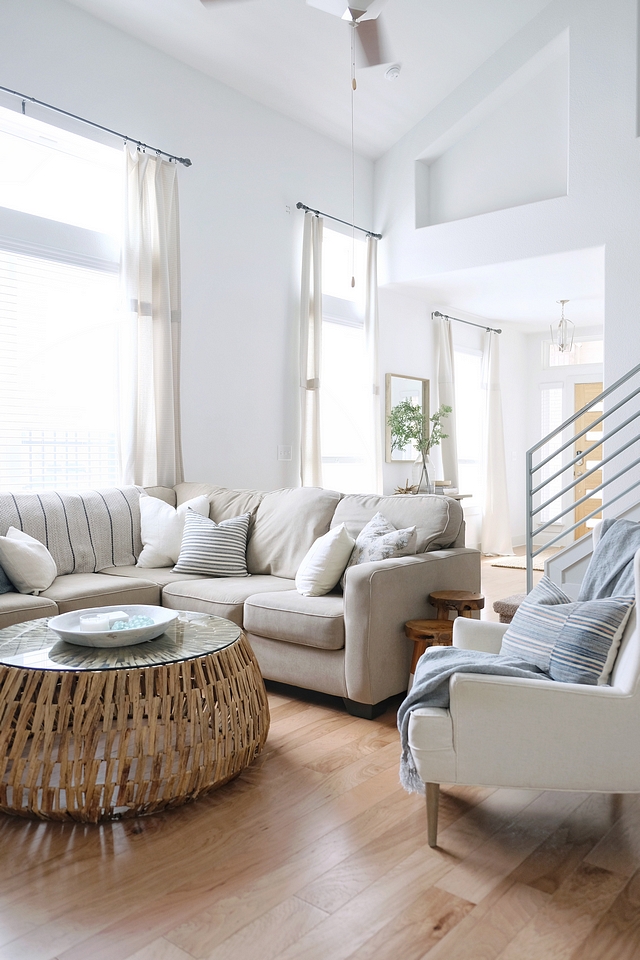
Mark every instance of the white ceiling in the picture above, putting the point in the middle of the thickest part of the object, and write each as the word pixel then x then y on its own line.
pixel 295 58
pixel 522 291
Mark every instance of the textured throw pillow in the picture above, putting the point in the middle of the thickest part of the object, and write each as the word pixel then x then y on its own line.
pixel 576 642
pixel 214 549
pixel 27 562
pixel 380 540
pixel 161 529
pixel 324 562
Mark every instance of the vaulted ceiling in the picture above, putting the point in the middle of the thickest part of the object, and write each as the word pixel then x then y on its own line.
pixel 296 59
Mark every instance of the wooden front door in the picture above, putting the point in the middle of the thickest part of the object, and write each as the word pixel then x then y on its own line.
pixel 584 394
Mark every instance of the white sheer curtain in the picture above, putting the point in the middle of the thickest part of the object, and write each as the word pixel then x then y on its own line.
pixel 447 394
pixel 310 352
pixel 371 340
pixel 496 525
pixel 151 444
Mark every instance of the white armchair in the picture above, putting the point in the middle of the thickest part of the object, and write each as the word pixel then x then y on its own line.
pixel 509 732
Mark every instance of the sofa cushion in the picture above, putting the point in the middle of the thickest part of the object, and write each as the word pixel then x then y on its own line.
pixel 437 519
pixel 310 621
pixel 16 607
pixel 220 596
pixel 286 524
pixel 84 532
pixel 167 494
pixel 77 590
pixel 160 575
pixel 161 529
pixel 223 502
pixel 214 549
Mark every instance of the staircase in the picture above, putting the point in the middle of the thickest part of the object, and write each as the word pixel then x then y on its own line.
pixel 619 479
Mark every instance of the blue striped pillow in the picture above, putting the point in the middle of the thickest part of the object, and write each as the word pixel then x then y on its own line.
pixel 576 642
pixel 214 549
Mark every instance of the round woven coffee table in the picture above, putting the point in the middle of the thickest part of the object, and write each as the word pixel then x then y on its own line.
pixel 97 734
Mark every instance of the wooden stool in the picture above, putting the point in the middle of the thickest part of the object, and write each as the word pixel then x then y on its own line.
pixel 427 633
pixel 463 601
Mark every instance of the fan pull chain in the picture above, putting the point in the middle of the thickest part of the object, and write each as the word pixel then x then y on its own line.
pixel 353 163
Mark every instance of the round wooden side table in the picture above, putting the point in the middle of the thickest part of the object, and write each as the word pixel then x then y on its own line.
pixel 427 633
pixel 93 734
pixel 464 602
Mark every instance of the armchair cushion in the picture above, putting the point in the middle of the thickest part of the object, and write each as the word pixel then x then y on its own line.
pixel 575 642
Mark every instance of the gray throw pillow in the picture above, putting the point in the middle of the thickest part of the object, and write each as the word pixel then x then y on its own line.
pixel 214 549
pixel 576 642
pixel 380 540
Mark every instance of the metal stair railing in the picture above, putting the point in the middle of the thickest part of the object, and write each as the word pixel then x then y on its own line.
pixel 534 488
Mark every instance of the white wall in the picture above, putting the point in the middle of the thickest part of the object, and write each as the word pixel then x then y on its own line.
pixel 408 348
pixel 240 247
pixel 517 154
pixel 602 206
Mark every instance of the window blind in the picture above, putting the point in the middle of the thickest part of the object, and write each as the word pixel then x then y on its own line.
pixel 58 374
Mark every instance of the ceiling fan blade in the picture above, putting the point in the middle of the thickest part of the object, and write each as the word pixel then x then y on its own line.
pixel 371 42
pixel 336 7
pixel 373 8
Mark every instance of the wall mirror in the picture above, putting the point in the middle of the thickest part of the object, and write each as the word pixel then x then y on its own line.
pixel 400 388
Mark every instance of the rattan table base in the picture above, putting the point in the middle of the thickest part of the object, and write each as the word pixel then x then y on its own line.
pixel 104 744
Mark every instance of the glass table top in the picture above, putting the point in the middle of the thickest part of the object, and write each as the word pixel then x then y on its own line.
pixel 33 645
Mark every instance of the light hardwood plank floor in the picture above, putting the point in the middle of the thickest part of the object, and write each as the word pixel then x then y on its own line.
pixel 316 852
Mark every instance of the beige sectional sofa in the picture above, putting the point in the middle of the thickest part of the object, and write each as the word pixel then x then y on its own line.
pixel 350 645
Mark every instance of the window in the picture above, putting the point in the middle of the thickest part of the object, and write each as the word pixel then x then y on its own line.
pixel 585 351
pixel 345 401
pixel 60 206
pixel 469 425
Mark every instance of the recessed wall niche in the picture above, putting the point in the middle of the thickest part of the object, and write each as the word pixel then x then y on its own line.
pixel 511 149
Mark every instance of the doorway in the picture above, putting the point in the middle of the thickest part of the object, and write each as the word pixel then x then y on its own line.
pixel 584 394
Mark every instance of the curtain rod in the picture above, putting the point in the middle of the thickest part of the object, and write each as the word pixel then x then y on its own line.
pixel 98 126
pixel 481 326
pixel 319 213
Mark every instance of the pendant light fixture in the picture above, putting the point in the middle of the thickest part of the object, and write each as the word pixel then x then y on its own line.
pixel 562 334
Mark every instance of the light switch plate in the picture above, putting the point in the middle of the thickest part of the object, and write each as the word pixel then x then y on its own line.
pixel 284 453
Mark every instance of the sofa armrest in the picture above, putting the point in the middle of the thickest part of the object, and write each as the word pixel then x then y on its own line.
pixel 378 600
pixel 485 635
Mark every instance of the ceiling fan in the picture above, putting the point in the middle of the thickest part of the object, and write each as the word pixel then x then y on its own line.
pixel 363 15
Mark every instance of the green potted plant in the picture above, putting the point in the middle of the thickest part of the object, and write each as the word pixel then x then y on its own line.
pixel 410 425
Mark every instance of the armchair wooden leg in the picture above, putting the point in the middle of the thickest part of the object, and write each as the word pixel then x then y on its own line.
pixel 433 797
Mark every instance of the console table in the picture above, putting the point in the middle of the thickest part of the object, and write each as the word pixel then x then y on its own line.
pixel 96 734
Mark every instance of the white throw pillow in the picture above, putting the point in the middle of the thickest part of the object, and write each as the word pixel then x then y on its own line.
pixel 324 562
pixel 161 529
pixel 27 562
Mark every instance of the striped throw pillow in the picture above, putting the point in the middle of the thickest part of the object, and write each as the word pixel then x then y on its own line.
pixel 576 642
pixel 214 549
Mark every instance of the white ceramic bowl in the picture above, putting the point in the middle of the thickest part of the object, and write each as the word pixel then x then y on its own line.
pixel 68 626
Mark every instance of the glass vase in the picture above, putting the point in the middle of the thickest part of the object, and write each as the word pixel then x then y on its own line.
pixel 422 475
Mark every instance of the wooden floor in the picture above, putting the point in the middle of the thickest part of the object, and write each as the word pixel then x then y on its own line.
pixel 316 852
